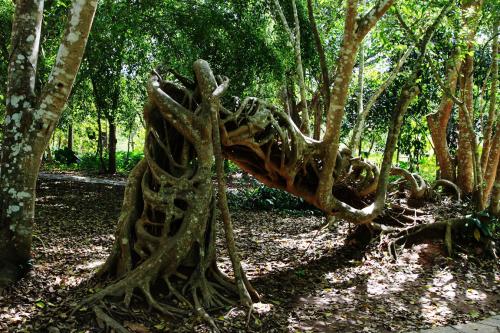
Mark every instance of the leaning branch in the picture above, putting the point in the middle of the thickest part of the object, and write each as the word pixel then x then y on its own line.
pixel 360 121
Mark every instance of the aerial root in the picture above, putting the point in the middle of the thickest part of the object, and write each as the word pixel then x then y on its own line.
pixel 449 185
pixel 419 189
pixel 437 230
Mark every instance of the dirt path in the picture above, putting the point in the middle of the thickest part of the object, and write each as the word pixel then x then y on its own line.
pixel 81 179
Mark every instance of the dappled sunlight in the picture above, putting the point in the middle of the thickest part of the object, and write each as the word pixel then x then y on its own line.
pixel 331 286
pixel 91 265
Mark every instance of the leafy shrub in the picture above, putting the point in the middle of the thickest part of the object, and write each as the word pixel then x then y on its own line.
pixel 89 162
pixel 124 163
pixel 66 156
pixel 267 198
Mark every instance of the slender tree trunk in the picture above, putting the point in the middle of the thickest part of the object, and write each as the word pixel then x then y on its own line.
pixel 360 96
pixel 111 146
pixel 70 136
pixel 325 79
pixel 30 121
pixel 492 114
pixel 100 143
pixel 495 196
pixel 361 119
pixel 129 144
pixel 468 172
pixel 295 40
pixel 491 167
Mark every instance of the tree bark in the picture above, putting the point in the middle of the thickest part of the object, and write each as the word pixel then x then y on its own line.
pixel 111 146
pixel 354 32
pixel 495 196
pixel 465 167
pixel 467 172
pixel 325 79
pixel 70 137
pixel 438 123
pixel 492 114
pixel 295 40
pixel 359 98
pixel 100 142
pixel 167 231
pixel 491 167
pixel 361 119
pixel 30 122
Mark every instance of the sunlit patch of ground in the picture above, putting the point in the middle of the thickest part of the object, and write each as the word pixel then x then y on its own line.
pixel 309 281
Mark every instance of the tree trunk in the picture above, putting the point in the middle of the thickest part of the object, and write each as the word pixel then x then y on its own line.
pixel 360 96
pixel 111 146
pixel 166 233
pixel 359 126
pixel 70 137
pixel 495 196
pixel 492 115
pixel 100 142
pixel 465 172
pixel 325 79
pixel 30 121
pixel 491 167
pixel 438 123
pixel 295 40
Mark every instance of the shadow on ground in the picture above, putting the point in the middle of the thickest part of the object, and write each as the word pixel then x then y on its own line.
pixel 321 285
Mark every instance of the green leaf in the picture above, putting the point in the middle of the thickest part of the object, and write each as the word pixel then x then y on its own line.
pixel 159 326
pixel 474 314
pixel 40 304
pixel 477 234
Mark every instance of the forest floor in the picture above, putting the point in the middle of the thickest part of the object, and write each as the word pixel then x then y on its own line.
pixel 327 285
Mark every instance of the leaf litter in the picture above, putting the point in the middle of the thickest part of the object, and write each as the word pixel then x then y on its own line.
pixel 327 285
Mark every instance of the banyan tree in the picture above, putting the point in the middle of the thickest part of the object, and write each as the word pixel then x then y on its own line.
pixel 166 235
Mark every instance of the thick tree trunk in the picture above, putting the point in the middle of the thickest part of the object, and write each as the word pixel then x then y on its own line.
pixel 111 146
pixel 166 231
pixel 30 122
pixel 465 172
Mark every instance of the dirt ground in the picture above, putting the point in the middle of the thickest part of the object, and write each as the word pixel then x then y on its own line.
pixel 321 286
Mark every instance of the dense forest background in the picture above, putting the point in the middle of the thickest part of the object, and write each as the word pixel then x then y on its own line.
pixel 246 41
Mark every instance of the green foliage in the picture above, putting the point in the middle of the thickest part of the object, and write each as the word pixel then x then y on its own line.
pixel 89 162
pixel 484 222
pixel 65 156
pixel 262 197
